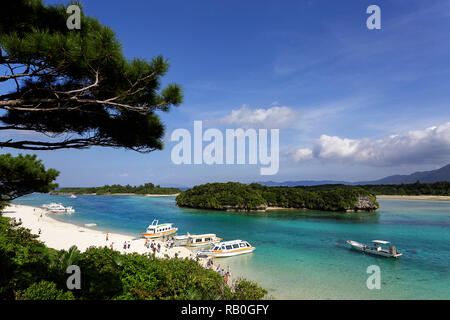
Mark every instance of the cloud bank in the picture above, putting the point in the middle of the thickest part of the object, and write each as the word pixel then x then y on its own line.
pixel 419 146
pixel 273 117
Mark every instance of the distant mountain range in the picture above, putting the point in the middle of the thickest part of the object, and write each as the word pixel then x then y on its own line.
pixel 442 174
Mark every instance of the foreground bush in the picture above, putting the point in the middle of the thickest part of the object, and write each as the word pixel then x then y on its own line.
pixel 248 290
pixel 30 270
pixel 44 290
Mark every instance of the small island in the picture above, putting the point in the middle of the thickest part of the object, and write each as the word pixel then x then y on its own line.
pixel 147 189
pixel 234 196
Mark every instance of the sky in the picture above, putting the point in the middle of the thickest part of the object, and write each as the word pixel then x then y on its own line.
pixel 350 103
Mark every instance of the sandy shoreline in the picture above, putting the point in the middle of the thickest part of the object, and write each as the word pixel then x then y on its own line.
pixel 61 235
pixel 441 198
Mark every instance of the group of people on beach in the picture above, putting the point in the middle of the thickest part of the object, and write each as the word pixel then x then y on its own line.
pixel 126 245
pixel 14 221
pixel 170 243
pixel 155 247
pixel 225 274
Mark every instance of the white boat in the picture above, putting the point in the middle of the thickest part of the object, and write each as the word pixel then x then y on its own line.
pixel 156 230
pixel 229 248
pixel 90 224
pixel 377 249
pixel 182 238
pixel 197 240
pixel 58 208
pixel 73 196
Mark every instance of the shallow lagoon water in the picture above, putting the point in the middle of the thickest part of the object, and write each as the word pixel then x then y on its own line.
pixel 300 254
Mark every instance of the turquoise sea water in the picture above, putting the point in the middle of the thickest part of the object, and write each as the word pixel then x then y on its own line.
pixel 300 254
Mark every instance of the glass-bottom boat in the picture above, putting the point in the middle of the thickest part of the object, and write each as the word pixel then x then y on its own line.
pixel 229 248
pixel 156 230
pixel 197 240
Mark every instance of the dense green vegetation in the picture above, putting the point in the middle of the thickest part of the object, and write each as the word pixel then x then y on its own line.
pixel 413 189
pixel 76 87
pixel 22 175
pixel 148 188
pixel 30 270
pixel 238 196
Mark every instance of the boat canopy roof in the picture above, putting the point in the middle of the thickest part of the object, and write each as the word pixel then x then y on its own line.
pixel 202 235
pixel 380 241
pixel 229 242
pixel 152 226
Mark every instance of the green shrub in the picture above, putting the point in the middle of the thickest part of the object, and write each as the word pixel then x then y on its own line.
pixel 44 290
pixel 247 290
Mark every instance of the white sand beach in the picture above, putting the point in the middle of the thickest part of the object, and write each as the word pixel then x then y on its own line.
pixel 439 198
pixel 60 235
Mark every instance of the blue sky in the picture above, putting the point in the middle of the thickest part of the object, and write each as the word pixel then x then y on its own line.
pixel 359 104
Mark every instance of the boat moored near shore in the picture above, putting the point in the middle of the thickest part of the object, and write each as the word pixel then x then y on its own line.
pixel 197 240
pixel 377 249
pixel 156 230
pixel 229 248
pixel 58 208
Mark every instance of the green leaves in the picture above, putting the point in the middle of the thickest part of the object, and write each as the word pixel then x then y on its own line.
pixel 148 188
pixel 238 196
pixel 248 290
pixel 24 174
pixel 44 290
pixel 78 82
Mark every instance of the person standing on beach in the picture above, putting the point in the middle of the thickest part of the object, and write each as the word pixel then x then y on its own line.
pixel 111 245
pixel 129 244
pixel 107 236
pixel 125 245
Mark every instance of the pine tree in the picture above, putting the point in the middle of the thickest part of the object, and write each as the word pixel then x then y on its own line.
pixel 22 175
pixel 76 86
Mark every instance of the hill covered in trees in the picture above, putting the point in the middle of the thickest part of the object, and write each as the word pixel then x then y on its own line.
pixel 242 197
pixel 148 188
pixel 412 189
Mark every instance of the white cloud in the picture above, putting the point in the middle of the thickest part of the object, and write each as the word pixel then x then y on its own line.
pixel 273 117
pixel 302 154
pixel 418 146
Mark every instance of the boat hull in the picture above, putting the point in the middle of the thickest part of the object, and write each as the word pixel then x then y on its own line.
pixel 366 249
pixel 202 244
pixel 232 252
pixel 159 234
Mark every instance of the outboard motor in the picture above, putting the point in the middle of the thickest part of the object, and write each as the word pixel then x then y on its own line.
pixel 393 250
